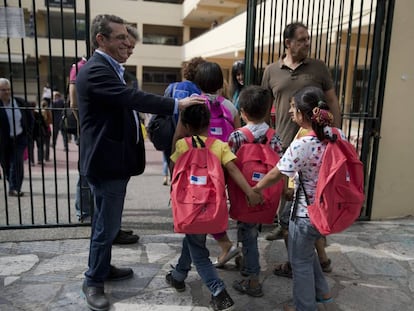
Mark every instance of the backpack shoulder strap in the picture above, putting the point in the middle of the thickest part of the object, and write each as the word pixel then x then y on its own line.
pixel 209 141
pixel 246 132
pixel 269 135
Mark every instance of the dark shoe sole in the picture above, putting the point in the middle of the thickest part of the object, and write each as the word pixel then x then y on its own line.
pixel 171 281
pixel 128 274
pixel 246 289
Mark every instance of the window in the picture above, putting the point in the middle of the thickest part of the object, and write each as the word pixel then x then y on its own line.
pixel 163 35
pixel 68 31
pixel 161 75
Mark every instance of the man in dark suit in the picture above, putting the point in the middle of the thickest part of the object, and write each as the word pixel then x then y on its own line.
pixel 112 146
pixel 15 124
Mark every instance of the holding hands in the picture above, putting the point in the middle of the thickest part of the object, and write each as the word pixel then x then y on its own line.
pixel 254 197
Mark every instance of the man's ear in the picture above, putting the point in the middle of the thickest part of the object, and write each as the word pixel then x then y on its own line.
pixel 100 39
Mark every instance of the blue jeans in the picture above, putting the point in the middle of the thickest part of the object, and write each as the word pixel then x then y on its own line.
pixel 84 199
pixel 195 251
pixel 309 282
pixel 16 171
pixel 247 234
pixel 109 197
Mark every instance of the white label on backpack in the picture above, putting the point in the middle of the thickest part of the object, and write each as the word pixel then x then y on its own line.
pixel 216 131
pixel 198 180
pixel 257 176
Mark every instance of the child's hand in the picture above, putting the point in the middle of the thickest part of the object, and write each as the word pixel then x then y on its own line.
pixel 288 193
pixel 255 198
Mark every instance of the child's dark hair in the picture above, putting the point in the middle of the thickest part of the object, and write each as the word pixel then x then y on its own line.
pixel 255 101
pixel 209 77
pixel 196 117
pixel 311 102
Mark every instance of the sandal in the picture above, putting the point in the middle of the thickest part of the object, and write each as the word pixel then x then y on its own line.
pixel 283 269
pixel 244 287
pixel 233 252
pixel 326 266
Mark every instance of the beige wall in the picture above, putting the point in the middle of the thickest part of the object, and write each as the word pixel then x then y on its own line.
pixel 394 186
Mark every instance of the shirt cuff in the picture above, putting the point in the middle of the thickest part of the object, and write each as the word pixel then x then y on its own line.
pixel 176 106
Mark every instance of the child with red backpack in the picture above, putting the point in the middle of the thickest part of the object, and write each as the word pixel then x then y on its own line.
pixel 302 160
pixel 195 120
pixel 224 119
pixel 258 143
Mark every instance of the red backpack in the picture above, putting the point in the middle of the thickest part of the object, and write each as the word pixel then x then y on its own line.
pixel 254 160
pixel 198 196
pixel 339 192
pixel 221 119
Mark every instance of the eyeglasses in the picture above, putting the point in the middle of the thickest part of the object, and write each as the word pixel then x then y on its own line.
pixel 120 37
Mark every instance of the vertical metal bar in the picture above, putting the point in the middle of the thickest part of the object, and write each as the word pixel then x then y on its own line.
pixel 303 10
pixel 271 34
pixel 250 39
pixel 338 74
pixel 281 41
pixel 329 33
pixel 348 47
pixel 87 28
pixel 380 17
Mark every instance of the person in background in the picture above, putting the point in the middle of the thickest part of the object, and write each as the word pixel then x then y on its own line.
pixel 178 90
pixel 294 71
pixel 302 161
pixel 111 145
pixel 58 105
pixel 237 81
pixel 16 125
pixel 83 199
pixel 40 132
pixel 47 116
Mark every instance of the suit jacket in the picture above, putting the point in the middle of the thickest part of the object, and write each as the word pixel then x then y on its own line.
pixel 27 122
pixel 108 130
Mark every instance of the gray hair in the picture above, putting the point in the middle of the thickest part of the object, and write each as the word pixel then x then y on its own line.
pixel 133 32
pixel 100 24
pixel 4 81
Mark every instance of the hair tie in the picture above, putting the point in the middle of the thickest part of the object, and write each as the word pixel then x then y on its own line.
pixel 321 103
pixel 322 116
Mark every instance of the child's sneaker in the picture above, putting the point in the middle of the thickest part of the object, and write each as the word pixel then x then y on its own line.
pixel 178 285
pixel 222 302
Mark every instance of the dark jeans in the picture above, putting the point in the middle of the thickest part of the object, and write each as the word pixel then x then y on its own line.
pixel 195 251
pixel 15 172
pixel 109 197
pixel 84 198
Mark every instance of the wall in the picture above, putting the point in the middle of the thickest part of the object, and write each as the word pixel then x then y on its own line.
pixel 394 186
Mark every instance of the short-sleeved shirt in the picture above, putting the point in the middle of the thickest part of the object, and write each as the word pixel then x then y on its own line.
pixel 74 71
pixel 284 82
pixel 237 138
pixel 219 148
pixel 305 155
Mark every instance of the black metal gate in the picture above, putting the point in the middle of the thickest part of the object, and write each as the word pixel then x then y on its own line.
pixel 41 42
pixel 352 37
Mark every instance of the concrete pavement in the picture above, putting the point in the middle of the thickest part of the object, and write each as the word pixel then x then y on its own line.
pixel 42 269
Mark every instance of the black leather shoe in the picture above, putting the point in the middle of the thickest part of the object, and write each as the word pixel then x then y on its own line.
pixel 118 274
pixel 95 297
pixel 15 193
pixel 127 231
pixel 125 238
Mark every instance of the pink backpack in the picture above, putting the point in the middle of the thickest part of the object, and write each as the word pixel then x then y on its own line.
pixel 340 189
pixel 254 160
pixel 198 196
pixel 221 119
